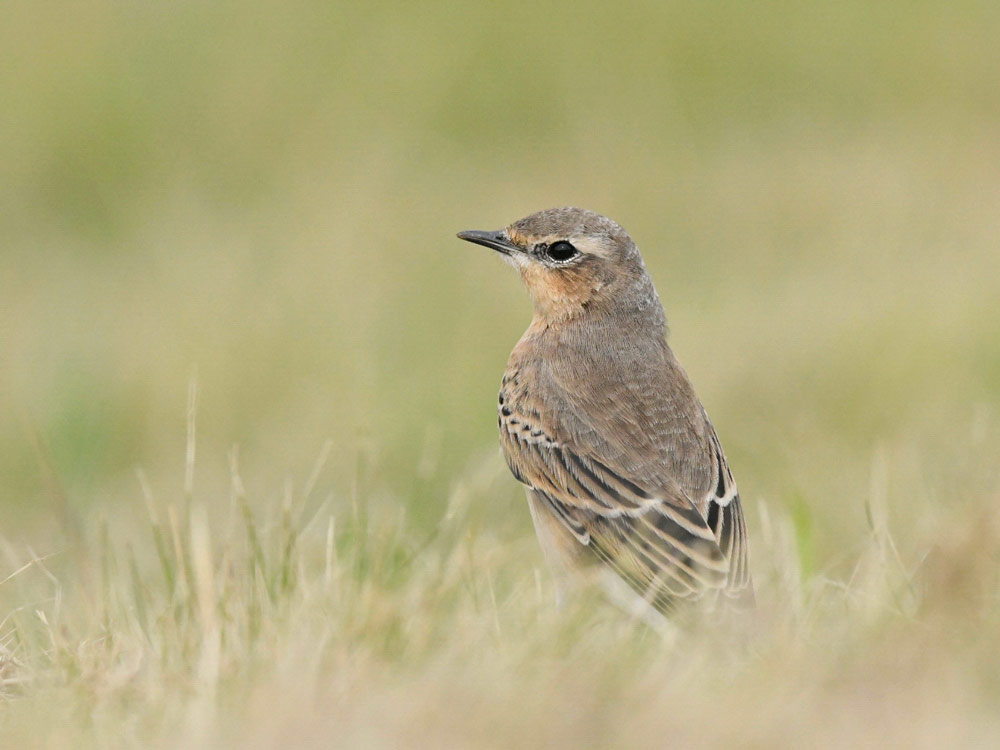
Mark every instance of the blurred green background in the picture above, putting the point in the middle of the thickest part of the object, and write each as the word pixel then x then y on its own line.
pixel 267 193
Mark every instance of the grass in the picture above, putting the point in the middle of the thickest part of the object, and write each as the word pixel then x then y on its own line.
pixel 325 620
pixel 317 543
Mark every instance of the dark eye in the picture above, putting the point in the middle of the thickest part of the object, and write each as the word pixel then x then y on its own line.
pixel 560 251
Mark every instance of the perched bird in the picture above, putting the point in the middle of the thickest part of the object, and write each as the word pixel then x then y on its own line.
pixel 626 479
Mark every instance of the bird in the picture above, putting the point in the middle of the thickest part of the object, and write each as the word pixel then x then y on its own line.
pixel 626 479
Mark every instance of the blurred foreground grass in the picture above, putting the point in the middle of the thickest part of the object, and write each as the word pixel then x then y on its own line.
pixel 305 626
pixel 263 197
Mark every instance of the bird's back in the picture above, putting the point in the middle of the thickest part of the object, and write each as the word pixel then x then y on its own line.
pixel 617 395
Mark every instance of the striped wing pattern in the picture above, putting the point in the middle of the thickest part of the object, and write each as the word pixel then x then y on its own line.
pixel 724 515
pixel 658 542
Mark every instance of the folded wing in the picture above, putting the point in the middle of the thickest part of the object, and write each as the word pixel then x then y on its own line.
pixel 656 540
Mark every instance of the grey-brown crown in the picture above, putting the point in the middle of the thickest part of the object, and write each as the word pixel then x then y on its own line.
pixel 569 221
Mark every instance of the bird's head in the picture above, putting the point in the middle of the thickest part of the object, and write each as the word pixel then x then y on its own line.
pixel 574 262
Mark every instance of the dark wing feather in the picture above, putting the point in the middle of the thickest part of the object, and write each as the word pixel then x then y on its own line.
pixel 724 514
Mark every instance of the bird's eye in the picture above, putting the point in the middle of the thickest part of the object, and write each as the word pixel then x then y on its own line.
pixel 561 251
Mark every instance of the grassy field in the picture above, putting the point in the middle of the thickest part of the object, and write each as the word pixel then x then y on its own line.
pixel 250 488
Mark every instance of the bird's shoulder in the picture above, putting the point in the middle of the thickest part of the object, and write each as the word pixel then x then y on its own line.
pixel 618 398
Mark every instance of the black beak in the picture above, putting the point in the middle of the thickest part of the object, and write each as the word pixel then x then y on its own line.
pixel 497 240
